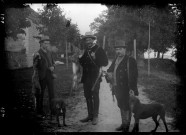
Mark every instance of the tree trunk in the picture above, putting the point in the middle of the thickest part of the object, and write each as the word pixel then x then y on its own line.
pixel 162 55
pixel 158 56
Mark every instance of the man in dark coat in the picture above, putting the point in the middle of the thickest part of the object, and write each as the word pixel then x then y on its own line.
pixel 44 65
pixel 123 71
pixel 92 60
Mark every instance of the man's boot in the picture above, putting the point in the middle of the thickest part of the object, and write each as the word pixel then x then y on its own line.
pixel 120 128
pixel 129 120
pixel 90 109
pixel 126 120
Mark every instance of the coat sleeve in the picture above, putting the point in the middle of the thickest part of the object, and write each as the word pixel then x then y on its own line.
pixel 52 59
pixel 82 59
pixel 133 75
pixel 101 57
pixel 37 60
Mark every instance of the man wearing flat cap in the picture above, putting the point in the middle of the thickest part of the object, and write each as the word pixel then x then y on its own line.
pixel 123 73
pixel 43 65
pixel 92 60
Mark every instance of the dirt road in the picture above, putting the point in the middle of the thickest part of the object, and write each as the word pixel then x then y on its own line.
pixel 109 114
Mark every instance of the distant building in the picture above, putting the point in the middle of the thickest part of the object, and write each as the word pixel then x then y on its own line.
pixel 20 52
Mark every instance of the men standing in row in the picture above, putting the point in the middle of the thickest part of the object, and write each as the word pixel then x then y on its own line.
pixel 92 60
pixel 123 72
pixel 44 64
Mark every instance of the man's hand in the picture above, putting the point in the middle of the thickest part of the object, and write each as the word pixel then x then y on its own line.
pixel 51 68
pixel 80 54
pixel 109 75
pixel 37 56
pixel 93 55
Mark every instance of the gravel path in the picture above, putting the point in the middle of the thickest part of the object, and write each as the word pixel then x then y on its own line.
pixel 109 114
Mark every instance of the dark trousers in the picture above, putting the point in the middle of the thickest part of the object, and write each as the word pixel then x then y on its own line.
pixel 48 83
pixel 92 98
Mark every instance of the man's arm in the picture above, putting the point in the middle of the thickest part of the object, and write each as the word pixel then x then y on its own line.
pixel 37 60
pixel 82 59
pixel 52 59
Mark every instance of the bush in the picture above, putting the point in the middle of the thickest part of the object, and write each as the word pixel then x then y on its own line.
pixel 166 65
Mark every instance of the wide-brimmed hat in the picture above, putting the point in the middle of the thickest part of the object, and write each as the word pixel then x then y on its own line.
pixel 120 44
pixel 89 35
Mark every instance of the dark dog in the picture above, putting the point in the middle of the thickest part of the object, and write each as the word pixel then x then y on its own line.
pixel 143 111
pixel 58 109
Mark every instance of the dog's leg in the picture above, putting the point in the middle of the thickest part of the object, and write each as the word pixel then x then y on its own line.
pixel 162 116
pixel 136 125
pixel 164 122
pixel 156 122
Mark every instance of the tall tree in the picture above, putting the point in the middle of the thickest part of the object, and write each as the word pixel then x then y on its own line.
pixel 129 23
pixel 57 26
pixel 163 26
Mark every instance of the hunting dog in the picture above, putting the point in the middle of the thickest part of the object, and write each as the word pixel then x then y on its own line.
pixel 143 111
pixel 58 109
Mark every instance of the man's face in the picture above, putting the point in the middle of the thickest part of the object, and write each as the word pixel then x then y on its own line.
pixel 120 51
pixel 89 42
pixel 46 45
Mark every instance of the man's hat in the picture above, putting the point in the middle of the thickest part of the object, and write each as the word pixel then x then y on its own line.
pixel 120 44
pixel 89 35
pixel 44 38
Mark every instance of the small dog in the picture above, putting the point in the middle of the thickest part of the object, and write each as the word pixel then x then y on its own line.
pixel 143 111
pixel 58 109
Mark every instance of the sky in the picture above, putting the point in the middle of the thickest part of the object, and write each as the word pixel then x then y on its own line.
pixel 81 14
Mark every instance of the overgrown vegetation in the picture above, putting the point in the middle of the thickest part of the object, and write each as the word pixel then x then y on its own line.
pixel 161 85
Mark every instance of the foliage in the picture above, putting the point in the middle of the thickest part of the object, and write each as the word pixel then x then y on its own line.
pixel 53 23
pixel 129 23
pixel 57 26
pixel 163 26
pixel 16 21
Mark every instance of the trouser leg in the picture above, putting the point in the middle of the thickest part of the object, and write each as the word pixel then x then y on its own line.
pixel 96 100
pixel 89 101
pixel 40 97
pixel 95 94
pixel 126 118
pixel 50 86
pixel 90 107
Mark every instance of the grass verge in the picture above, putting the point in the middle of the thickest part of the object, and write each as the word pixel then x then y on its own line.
pixel 159 88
